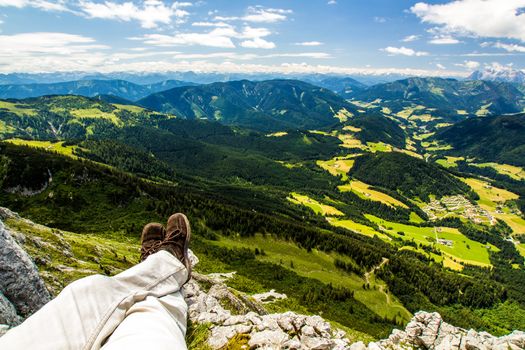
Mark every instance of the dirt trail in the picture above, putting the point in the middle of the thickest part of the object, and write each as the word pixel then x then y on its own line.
pixel 381 287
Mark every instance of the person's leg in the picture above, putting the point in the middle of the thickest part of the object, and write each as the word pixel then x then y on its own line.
pixel 87 311
pixel 158 323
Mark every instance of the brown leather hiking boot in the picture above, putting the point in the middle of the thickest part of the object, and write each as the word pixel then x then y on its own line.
pixel 178 234
pixel 152 236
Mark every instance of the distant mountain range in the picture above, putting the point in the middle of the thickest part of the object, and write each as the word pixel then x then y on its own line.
pixel 89 88
pixel 499 73
pixel 453 99
pixel 271 105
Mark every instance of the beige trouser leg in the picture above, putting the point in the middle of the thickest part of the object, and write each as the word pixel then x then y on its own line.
pixel 155 323
pixel 88 311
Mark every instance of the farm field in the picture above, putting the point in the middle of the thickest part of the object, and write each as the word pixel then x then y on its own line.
pixel 320 265
pixel 463 249
pixel 317 207
pixel 364 190
pixel 449 162
pixel 357 227
pixel 337 166
pixel 512 171
pixel 17 108
pixel 47 145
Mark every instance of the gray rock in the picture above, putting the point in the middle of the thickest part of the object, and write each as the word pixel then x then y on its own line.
pixel 358 346
pixel 268 339
pixel 221 335
pixel 8 315
pixel 317 343
pixel 20 282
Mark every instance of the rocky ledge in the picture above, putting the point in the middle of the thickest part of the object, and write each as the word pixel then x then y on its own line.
pixel 234 317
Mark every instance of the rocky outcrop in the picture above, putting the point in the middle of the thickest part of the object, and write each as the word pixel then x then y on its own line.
pixel 220 307
pixel 230 317
pixel 22 291
pixel 429 331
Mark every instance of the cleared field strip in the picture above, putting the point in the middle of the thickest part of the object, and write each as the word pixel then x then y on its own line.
pixel 362 189
pixel 317 207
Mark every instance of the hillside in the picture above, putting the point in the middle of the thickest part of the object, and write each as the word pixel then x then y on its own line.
pixel 233 215
pixel 271 105
pixel 411 176
pixel 220 316
pixel 494 139
pixel 344 86
pixel 88 88
pixel 447 98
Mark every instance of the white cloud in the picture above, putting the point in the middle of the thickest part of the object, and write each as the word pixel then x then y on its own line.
pixel 403 51
pixel 379 19
pixel 43 51
pixel 509 47
pixel 219 37
pixel 410 38
pixel 259 15
pixel 210 24
pixel 440 66
pixel 481 18
pixel 470 65
pixel 444 40
pixel 216 38
pixel 309 43
pixel 39 4
pixel 150 13
pixel 332 2
pixel 258 43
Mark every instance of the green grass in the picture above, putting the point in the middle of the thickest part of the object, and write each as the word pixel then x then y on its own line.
pixel 357 227
pixel 378 147
pixel 337 166
pixel 320 266
pixel 463 249
pixel 129 108
pixel 521 248
pixel 17 108
pixel 449 162
pixel 90 253
pixel 515 172
pixel 95 113
pixel 47 145
pixel 364 191
pixel 317 207
pixel 415 218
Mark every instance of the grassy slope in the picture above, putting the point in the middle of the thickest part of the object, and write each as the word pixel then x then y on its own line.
pixel 320 265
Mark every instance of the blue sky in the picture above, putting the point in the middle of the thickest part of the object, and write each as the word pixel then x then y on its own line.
pixel 302 36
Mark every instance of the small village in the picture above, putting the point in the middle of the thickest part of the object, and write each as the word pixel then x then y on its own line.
pixel 457 205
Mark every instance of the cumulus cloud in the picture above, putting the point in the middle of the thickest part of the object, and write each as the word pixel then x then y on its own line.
pixel 481 18
pixel 219 37
pixel 259 15
pixel 309 43
pixel 258 43
pixel 410 38
pixel 403 51
pixel 150 13
pixel 332 2
pixel 440 66
pixel 444 40
pixel 470 65
pixel 39 4
pixel 509 47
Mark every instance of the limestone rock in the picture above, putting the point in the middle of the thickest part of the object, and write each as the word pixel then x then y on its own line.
pixel 20 282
